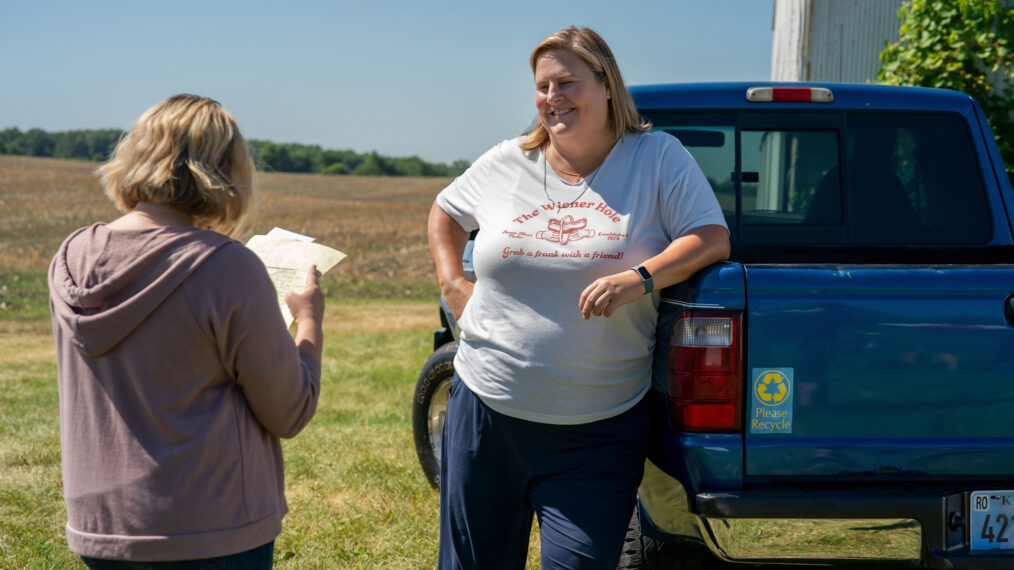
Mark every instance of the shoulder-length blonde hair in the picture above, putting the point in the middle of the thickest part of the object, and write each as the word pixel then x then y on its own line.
pixel 593 50
pixel 185 153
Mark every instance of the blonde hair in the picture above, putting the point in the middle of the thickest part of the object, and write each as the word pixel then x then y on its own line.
pixel 185 153
pixel 593 50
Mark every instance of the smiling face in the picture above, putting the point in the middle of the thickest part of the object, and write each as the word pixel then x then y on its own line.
pixel 572 103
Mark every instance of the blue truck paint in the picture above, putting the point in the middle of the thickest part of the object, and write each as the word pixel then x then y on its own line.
pixel 900 354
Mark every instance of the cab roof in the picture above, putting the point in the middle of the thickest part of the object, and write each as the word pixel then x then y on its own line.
pixel 733 96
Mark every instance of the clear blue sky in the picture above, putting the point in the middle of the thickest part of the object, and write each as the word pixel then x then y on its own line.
pixel 439 79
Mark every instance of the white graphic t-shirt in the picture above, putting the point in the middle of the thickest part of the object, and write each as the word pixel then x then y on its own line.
pixel 525 350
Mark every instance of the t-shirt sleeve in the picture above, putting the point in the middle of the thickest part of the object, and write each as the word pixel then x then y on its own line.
pixel 461 198
pixel 688 201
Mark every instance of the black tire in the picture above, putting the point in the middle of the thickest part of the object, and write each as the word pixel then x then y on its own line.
pixel 642 552
pixel 428 408
pixel 630 558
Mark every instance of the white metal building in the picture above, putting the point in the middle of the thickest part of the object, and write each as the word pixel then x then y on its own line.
pixel 831 40
pixel 834 40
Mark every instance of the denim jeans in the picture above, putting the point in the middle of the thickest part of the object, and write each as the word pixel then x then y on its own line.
pixel 259 558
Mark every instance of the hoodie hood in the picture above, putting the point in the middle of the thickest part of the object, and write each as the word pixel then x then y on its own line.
pixel 103 283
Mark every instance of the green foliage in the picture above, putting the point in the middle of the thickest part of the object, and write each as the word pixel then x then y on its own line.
pixel 335 168
pixel 97 145
pixel 956 44
pixel 292 157
pixel 88 144
pixel 82 145
pixel 37 142
pixel 372 165
pixel 10 141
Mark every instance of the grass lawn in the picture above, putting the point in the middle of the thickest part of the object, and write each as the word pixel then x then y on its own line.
pixel 357 496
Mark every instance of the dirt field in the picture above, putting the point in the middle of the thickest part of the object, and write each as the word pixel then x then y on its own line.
pixel 380 222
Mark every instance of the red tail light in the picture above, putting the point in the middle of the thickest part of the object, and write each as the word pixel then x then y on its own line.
pixel 705 371
pixel 789 95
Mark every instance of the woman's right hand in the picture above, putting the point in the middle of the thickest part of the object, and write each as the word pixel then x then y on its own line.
pixel 309 303
pixel 456 294
pixel 447 244
pixel 307 308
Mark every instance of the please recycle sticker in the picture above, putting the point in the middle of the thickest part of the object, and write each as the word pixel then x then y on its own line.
pixel 771 400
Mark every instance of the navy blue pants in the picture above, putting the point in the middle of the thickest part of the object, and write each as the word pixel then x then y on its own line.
pixel 497 471
pixel 259 558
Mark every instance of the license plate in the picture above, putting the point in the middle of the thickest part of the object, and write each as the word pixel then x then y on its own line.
pixel 992 520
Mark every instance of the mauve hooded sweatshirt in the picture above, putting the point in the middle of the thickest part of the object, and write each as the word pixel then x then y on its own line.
pixel 177 377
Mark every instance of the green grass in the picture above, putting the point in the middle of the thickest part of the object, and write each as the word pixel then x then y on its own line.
pixel 893 539
pixel 31 500
pixel 354 484
pixel 357 496
pixel 24 295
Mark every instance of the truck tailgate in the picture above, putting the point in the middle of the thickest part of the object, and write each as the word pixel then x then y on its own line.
pixel 879 370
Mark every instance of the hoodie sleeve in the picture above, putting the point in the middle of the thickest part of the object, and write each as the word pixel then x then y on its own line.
pixel 240 305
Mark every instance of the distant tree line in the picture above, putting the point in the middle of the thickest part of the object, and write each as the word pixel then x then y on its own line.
pixel 292 157
pixel 85 145
pixel 96 145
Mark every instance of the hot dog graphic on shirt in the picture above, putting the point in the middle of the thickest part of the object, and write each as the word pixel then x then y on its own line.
pixel 566 230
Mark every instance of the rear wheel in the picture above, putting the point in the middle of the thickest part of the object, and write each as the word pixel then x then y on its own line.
pixel 642 552
pixel 429 405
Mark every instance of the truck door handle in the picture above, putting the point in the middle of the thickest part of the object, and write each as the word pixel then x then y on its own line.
pixel 1008 310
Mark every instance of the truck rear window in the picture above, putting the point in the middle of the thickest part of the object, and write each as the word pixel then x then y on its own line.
pixel 854 178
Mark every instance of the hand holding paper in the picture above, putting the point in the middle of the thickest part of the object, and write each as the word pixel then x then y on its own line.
pixel 288 257
pixel 307 308
pixel 307 304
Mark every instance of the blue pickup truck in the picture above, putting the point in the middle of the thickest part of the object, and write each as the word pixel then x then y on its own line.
pixel 841 391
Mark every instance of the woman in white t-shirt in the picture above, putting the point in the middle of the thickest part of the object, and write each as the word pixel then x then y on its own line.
pixel 586 216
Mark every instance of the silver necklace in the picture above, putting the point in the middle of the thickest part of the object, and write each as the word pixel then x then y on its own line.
pixel 545 187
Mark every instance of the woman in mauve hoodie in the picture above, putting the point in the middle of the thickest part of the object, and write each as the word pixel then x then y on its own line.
pixel 177 375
